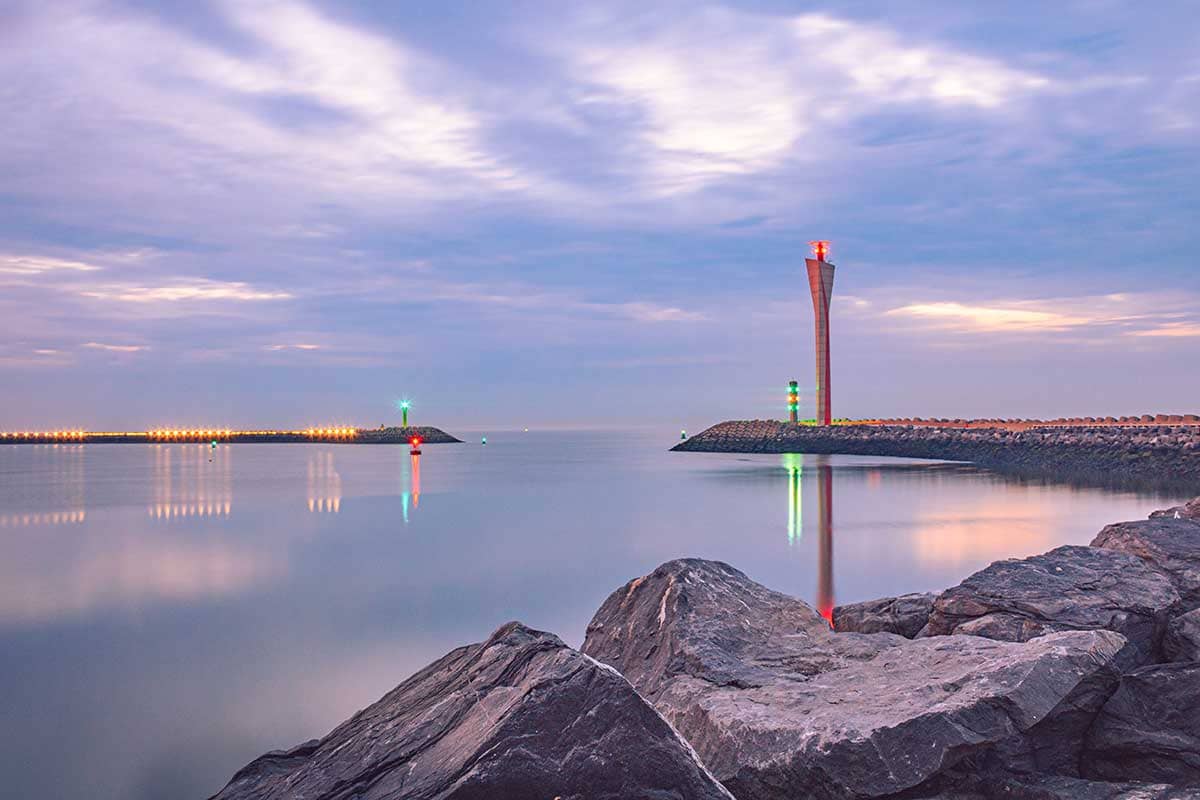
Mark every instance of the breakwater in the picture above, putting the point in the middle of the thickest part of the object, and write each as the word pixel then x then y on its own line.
pixel 1069 675
pixel 1147 456
pixel 340 435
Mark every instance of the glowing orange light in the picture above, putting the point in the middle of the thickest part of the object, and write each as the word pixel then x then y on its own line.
pixel 820 249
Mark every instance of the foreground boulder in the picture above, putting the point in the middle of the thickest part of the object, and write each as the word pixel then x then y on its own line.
pixel 779 706
pixel 905 615
pixel 1149 730
pixel 1058 787
pixel 1189 510
pixel 1068 588
pixel 519 716
pixel 1182 641
pixel 1169 545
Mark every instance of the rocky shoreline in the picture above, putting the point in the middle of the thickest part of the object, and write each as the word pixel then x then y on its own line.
pixel 1070 674
pixel 1125 456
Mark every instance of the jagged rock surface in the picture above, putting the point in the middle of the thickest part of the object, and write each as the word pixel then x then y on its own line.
pixel 1068 588
pixel 1169 545
pixel 1189 510
pixel 1059 787
pixel 519 716
pixel 905 615
pixel 1149 730
pixel 1182 640
pixel 779 706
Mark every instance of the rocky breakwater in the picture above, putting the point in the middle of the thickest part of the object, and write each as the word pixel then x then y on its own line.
pixel 779 706
pixel 1140 579
pixel 1070 675
pixel 1160 456
pixel 518 716
pixel 395 434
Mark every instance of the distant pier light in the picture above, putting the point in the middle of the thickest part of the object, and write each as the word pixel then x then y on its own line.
pixel 404 404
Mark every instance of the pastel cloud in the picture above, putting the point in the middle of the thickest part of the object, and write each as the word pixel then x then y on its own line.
pixel 762 89
pixel 1145 314
pixel 201 290
pixel 989 318
pixel 37 265
pixel 114 348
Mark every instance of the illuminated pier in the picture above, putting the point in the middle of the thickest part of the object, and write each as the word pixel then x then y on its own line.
pixel 329 434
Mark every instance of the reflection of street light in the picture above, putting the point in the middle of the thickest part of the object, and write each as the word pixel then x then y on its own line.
pixel 404 412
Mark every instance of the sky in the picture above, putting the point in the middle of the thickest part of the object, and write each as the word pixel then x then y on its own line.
pixel 285 213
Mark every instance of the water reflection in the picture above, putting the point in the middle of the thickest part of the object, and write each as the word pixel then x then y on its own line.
pixel 825 540
pixel 324 484
pixel 192 481
pixel 793 464
pixel 410 477
pixel 51 488
pixel 170 653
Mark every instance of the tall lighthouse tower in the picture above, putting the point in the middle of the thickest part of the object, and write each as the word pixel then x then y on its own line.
pixel 820 282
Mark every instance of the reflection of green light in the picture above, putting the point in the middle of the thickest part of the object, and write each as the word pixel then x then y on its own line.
pixel 404 479
pixel 794 464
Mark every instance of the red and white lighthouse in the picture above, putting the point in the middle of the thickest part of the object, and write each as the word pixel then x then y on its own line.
pixel 820 283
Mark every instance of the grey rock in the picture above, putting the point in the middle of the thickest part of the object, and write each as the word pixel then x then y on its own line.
pixel 904 615
pixel 519 716
pixel 1149 730
pixel 1182 640
pixel 779 706
pixel 1061 787
pixel 1068 588
pixel 1189 510
pixel 1167 544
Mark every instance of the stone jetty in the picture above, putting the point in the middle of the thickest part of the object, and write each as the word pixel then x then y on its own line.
pixel 518 716
pixel 1069 675
pixel 1150 455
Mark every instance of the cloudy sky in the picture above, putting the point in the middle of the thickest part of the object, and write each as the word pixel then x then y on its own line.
pixel 538 213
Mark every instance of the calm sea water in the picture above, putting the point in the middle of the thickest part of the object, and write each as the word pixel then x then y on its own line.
pixel 168 613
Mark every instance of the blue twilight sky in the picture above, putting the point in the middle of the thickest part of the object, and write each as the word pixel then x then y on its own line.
pixel 542 213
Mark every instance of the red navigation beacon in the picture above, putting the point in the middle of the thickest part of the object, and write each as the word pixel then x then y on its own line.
pixel 820 249
pixel 416 446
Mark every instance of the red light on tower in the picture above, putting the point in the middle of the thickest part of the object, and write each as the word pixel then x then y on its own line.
pixel 820 283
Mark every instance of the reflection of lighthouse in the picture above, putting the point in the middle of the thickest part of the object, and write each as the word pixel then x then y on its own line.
pixel 794 464
pixel 825 541
pixel 412 484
